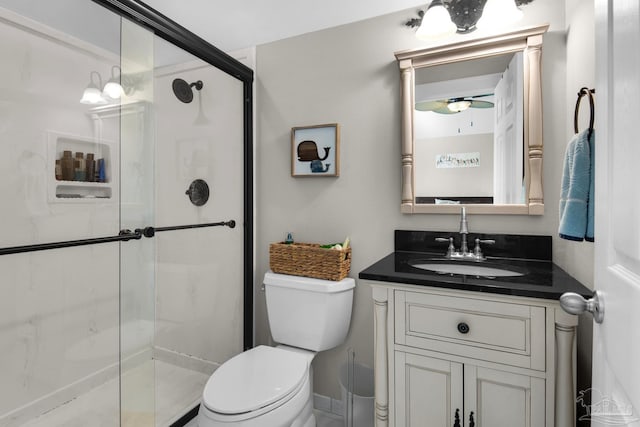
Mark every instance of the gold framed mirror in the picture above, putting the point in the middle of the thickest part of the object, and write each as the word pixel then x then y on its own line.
pixel 457 148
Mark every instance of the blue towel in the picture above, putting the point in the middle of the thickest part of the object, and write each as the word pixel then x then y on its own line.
pixel 577 192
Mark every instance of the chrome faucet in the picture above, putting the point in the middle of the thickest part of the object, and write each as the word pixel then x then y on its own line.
pixel 464 252
pixel 464 230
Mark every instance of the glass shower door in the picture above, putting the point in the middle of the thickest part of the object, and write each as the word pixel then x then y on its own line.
pixel 124 287
pixel 182 169
pixel 199 271
pixel 59 234
pixel 137 211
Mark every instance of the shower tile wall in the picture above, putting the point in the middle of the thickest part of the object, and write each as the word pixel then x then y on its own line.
pixel 199 272
pixel 59 308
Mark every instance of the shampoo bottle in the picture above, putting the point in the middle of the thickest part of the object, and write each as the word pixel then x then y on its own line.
pixel 91 168
pixel 66 164
pixel 80 173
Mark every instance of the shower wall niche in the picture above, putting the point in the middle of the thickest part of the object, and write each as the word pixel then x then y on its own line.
pixel 85 188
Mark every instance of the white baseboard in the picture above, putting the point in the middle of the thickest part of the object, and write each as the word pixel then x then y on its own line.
pixel 327 404
pixel 184 360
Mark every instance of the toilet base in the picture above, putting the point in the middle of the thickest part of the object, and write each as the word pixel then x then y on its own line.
pixel 297 412
pixel 306 418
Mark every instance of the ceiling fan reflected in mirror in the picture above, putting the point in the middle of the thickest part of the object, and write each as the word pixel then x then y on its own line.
pixel 454 105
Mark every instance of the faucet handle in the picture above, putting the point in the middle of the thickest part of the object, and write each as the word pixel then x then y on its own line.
pixel 451 249
pixel 464 225
pixel 477 251
pixel 486 241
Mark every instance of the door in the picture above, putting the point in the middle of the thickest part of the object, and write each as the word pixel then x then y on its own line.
pixel 427 391
pixel 502 399
pixel 508 134
pixel 59 311
pixel 615 394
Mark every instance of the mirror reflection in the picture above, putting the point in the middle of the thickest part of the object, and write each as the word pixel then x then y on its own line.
pixel 472 125
pixel 468 131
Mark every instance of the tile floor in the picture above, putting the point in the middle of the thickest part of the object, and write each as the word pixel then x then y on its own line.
pixel 326 419
pixel 323 419
pixel 177 390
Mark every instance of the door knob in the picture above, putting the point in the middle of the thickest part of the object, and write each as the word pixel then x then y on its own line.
pixel 574 303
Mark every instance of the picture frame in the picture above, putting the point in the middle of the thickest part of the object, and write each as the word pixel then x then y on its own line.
pixel 315 151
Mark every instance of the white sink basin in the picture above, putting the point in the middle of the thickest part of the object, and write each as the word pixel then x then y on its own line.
pixel 467 269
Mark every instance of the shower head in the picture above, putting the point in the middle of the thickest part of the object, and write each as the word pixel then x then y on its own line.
pixel 183 90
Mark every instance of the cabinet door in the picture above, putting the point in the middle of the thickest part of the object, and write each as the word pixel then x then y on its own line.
pixel 427 391
pixel 503 399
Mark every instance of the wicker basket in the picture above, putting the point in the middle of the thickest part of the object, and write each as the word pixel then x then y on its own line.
pixel 310 260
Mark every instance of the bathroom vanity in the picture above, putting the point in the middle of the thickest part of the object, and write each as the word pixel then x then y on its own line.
pixel 489 350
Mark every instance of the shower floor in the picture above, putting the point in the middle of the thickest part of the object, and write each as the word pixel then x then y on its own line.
pixel 177 391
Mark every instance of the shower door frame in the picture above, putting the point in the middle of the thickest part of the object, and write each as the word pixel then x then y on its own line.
pixel 176 34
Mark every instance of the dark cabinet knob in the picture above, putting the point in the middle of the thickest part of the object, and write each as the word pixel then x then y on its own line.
pixel 463 328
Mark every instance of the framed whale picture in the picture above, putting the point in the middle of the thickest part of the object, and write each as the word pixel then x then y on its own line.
pixel 314 150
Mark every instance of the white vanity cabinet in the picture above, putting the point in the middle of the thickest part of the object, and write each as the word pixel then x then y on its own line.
pixel 428 391
pixel 508 360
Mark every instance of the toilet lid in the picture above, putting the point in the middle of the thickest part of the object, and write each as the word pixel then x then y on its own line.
pixel 254 379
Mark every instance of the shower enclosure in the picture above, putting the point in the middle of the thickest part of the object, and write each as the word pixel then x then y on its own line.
pixel 126 255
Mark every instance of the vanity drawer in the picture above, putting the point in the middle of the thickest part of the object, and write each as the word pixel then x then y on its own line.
pixel 501 332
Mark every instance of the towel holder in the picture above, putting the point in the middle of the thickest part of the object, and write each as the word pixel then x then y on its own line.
pixel 585 91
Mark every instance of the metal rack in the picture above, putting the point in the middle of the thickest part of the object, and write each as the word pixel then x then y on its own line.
pixel 585 91
pixel 123 236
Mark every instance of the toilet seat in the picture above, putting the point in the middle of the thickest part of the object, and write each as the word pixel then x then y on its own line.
pixel 255 382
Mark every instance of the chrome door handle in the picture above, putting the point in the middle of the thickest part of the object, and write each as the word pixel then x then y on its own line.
pixel 574 303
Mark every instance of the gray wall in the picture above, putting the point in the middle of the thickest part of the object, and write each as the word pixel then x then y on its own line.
pixel 431 180
pixel 348 75
pixel 580 72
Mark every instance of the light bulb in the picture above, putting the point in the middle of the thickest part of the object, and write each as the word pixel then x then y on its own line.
pixel 436 23
pixel 499 14
pixel 113 89
pixel 92 94
pixel 460 105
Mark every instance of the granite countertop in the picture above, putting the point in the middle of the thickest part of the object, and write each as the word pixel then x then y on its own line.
pixel 541 278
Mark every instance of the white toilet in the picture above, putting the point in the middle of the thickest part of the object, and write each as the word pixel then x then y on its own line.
pixel 272 386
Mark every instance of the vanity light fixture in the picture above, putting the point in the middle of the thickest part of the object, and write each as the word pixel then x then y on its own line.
pixel 464 16
pixel 436 23
pixel 96 94
pixel 113 89
pixel 92 95
pixel 498 14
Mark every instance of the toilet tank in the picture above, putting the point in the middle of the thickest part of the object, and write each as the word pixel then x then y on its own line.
pixel 308 313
